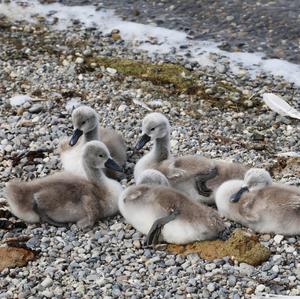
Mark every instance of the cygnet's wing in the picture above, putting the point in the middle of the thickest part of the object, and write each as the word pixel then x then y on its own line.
pixel 294 202
pixel 136 193
pixel 286 196
pixel 274 204
pixel 183 168
pixel 250 208
pixel 115 144
pixel 226 171
pixel 187 210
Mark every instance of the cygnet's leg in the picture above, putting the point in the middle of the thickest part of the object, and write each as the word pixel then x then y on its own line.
pixel 5 224
pixel 91 209
pixel 42 213
pixel 201 180
pixel 155 231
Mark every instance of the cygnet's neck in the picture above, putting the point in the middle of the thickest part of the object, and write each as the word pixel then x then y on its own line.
pixel 91 135
pixel 161 149
pixel 93 174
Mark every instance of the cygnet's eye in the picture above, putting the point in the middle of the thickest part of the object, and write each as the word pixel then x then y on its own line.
pixel 83 122
pixel 101 156
pixel 152 129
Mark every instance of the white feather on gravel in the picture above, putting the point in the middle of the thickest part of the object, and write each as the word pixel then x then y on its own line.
pixel 280 106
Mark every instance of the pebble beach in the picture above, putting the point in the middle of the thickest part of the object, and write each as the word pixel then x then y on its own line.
pixel 214 111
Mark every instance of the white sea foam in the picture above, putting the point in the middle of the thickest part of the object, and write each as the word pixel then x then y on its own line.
pixel 151 38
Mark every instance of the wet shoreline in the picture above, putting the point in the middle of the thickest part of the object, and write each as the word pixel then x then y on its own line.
pixel 272 27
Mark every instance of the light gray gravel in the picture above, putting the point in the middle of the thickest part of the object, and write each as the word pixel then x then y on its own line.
pixel 109 261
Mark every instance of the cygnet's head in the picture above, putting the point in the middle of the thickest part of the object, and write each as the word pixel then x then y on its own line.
pixel 152 177
pixel 254 179
pixel 96 155
pixel 84 119
pixel 155 125
pixel 257 178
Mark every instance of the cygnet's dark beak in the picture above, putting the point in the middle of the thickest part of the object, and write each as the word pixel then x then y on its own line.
pixel 111 164
pixel 142 141
pixel 237 196
pixel 76 135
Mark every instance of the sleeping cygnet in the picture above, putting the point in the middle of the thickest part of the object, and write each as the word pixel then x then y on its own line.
pixel 86 128
pixel 259 204
pixel 163 213
pixel 67 198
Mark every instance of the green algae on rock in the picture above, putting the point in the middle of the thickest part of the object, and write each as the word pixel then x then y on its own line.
pixel 242 246
pixel 245 247
pixel 180 78
pixel 174 78
pixel 165 73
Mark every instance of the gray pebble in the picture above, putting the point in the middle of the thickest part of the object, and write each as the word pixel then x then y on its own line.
pixel 36 108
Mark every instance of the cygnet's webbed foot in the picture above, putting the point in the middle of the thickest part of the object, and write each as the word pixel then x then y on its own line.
pixel 44 217
pixel 202 189
pixel 201 180
pixel 155 231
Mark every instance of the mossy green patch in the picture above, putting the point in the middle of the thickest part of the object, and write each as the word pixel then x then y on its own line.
pixel 176 78
pixel 245 247
pixel 167 78
pixel 241 246
pixel 165 73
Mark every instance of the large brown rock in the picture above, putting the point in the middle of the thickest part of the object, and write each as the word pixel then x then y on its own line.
pixel 14 257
